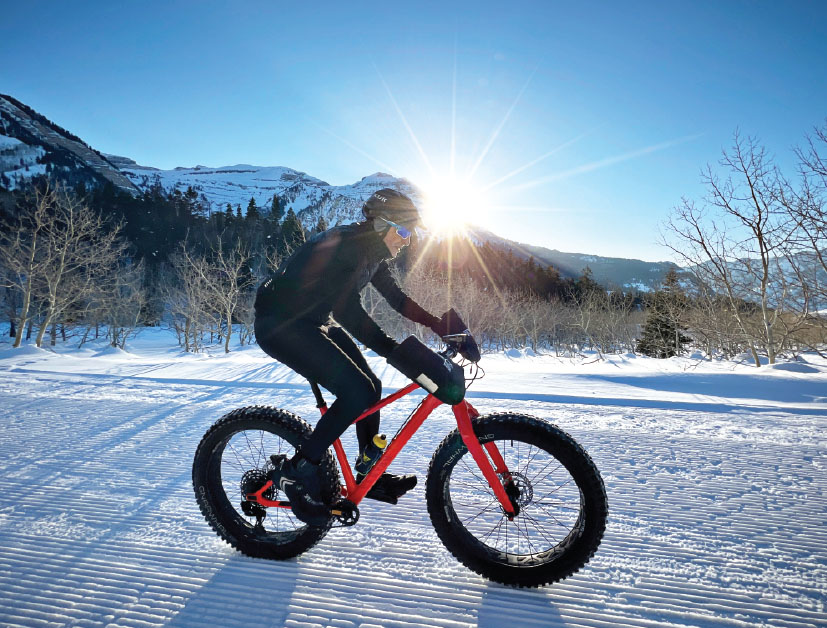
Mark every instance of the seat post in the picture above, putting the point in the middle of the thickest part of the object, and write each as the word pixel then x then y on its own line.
pixel 317 393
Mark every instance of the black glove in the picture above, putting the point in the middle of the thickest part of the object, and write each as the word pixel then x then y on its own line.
pixel 468 348
pixel 451 323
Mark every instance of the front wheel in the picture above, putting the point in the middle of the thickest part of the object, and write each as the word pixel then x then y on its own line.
pixel 562 505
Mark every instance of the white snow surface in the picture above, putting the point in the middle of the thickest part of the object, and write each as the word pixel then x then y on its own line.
pixel 715 473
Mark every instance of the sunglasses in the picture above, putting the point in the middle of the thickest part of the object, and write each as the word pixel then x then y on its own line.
pixel 402 232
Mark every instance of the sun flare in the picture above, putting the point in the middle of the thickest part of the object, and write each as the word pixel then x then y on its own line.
pixel 450 205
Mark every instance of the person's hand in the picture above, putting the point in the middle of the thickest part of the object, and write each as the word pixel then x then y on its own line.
pixel 449 323
pixel 468 348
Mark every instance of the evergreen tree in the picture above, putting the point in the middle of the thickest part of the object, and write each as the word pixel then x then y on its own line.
pixel 252 210
pixel 276 209
pixel 238 213
pixel 191 201
pixel 321 225
pixel 586 284
pixel 663 335
pixel 292 234
pixel 228 213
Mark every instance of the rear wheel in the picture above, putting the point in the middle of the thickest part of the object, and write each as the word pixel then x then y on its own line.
pixel 232 460
pixel 555 485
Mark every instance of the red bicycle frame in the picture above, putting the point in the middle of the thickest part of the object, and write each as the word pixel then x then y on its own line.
pixel 495 475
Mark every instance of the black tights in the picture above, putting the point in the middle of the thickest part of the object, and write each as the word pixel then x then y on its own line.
pixel 327 355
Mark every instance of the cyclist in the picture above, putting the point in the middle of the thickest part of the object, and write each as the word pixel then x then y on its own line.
pixel 302 313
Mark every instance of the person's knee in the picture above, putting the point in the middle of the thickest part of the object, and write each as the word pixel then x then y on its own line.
pixel 361 394
pixel 377 388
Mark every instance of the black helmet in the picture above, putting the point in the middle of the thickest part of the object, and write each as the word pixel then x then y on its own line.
pixel 393 205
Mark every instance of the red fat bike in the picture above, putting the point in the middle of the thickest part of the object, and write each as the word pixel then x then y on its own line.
pixel 512 497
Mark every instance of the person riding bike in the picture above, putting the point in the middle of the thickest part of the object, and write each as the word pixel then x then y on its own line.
pixel 304 317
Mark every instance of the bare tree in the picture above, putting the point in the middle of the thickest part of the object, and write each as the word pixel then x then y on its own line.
pixel 736 242
pixel 81 249
pixel 809 210
pixel 187 294
pixel 229 279
pixel 122 303
pixel 60 251
pixel 24 252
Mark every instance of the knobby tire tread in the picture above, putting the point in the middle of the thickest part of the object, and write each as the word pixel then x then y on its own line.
pixel 505 425
pixel 226 523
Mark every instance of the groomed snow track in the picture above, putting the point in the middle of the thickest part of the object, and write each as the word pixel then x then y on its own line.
pixel 717 518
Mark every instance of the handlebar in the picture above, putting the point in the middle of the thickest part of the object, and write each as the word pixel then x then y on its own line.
pixel 449 352
pixel 453 342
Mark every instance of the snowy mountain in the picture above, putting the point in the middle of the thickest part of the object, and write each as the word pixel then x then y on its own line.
pixel 310 198
pixel 608 271
pixel 32 145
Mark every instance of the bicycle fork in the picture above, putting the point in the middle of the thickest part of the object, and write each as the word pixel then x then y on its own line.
pixel 464 412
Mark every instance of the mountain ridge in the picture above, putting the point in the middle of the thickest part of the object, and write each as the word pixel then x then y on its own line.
pixel 41 147
pixel 32 145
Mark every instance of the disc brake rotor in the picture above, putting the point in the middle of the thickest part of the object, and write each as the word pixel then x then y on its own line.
pixel 519 489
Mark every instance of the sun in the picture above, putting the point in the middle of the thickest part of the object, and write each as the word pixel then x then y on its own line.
pixel 451 204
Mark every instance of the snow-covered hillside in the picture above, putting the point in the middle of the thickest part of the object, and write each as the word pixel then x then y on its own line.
pixel 19 161
pixel 32 144
pixel 310 198
pixel 715 474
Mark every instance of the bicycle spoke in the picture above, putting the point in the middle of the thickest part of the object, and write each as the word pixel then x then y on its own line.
pixel 480 513
pixel 482 480
pixel 471 504
pixel 559 505
pixel 569 481
pixel 543 532
pixel 250 449
pixel 530 459
pixel 241 465
pixel 524 534
pixel 474 485
pixel 556 520
pixel 490 532
pixel 538 480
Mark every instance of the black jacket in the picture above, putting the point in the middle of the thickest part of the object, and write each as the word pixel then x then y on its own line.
pixel 325 277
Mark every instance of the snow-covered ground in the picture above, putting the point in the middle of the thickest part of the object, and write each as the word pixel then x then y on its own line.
pixel 715 474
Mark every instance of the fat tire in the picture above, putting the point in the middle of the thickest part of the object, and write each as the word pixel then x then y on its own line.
pixel 214 503
pixel 569 555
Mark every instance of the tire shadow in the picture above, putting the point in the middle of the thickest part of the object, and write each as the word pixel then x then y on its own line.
pixel 245 592
pixel 503 606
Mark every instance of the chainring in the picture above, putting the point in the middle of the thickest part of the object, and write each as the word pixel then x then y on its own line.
pixel 346 513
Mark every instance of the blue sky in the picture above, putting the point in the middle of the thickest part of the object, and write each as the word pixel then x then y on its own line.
pixel 603 113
